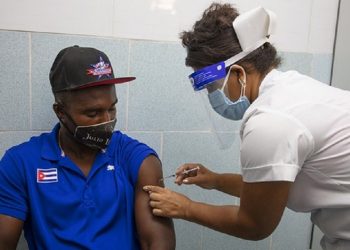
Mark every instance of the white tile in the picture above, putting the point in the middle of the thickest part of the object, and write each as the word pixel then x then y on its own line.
pixel 323 26
pixel 293 21
pixel 155 19
pixel 293 24
pixel 164 19
pixel 303 25
pixel 71 17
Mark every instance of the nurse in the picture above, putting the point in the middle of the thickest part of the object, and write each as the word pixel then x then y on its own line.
pixel 295 134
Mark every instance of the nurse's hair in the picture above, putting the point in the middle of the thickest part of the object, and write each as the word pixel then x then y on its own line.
pixel 213 39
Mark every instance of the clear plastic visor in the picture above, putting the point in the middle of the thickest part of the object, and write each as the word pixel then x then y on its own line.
pixel 225 131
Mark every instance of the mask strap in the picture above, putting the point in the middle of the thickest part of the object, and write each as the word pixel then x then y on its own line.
pixel 69 117
pixel 243 83
pixel 226 78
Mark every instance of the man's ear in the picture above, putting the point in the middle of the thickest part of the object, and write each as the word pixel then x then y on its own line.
pixel 57 108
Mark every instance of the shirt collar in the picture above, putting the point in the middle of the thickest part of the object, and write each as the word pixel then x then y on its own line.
pixel 50 149
pixel 269 81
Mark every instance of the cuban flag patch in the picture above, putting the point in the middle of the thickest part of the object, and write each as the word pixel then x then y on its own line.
pixel 46 175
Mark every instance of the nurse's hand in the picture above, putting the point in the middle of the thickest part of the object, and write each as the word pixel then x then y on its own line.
pixel 201 177
pixel 167 203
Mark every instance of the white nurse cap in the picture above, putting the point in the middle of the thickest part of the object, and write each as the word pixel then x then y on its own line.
pixel 253 29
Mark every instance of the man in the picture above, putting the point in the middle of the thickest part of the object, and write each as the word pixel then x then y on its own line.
pixel 80 186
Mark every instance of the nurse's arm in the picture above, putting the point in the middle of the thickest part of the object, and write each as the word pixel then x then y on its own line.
pixel 226 182
pixel 10 231
pixel 260 211
pixel 154 232
pixel 229 183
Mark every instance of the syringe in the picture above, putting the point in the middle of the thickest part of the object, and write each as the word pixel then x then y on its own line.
pixel 183 173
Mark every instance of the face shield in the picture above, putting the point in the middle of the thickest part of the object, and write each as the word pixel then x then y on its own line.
pixel 211 81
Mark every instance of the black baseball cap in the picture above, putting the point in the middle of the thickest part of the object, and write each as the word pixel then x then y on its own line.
pixel 81 67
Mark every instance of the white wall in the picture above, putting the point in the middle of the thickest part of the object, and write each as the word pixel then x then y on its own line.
pixel 340 76
pixel 304 25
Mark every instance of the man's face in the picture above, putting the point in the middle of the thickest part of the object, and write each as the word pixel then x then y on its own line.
pixel 92 105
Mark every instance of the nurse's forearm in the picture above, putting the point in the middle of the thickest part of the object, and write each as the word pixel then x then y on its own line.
pixel 225 219
pixel 229 183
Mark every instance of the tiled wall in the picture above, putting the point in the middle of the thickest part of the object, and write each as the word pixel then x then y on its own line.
pixel 159 108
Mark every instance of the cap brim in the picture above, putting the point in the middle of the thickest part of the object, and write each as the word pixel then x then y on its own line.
pixel 107 82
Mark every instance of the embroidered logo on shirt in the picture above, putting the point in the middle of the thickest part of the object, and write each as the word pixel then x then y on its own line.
pixel 110 168
pixel 46 175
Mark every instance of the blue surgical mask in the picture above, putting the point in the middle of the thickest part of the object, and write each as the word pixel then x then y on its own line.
pixel 225 107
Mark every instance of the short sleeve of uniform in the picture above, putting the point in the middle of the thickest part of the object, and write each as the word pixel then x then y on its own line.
pixel 132 154
pixel 274 147
pixel 12 188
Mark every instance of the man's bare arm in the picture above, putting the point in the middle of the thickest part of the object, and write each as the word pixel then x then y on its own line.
pixel 10 231
pixel 154 232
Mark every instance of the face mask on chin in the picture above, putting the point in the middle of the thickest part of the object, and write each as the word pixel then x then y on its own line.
pixel 226 108
pixel 96 136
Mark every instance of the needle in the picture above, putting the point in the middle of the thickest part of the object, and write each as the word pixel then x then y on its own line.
pixel 183 173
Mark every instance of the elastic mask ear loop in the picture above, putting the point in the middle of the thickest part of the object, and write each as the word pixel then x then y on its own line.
pixel 226 78
pixel 70 118
pixel 243 84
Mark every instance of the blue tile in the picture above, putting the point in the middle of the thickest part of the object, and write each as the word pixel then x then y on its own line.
pixel 153 140
pixel 188 235
pixel 322 67
pixel 45 47
pixel 9 139
pixel 22 243
pixel 162 97
pixel 185 147
pixel 300 62
pixel 217 240
pixel 14 82
pixel 219 198
pixel 293 232
pixel 181 147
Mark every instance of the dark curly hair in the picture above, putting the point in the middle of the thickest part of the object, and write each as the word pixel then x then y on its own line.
pixel 213 39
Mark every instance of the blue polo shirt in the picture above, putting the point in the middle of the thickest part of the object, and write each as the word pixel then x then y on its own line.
pixel 63 209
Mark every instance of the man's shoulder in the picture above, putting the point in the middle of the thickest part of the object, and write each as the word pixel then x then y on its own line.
pixel 122 138
pixel 34 143
pixel 126 143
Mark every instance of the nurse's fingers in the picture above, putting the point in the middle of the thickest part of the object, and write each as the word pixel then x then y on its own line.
pixel 154 204
pixel 158 212
pixel 152 189
pixel 156 196
pixel 185 171
pixel 185 167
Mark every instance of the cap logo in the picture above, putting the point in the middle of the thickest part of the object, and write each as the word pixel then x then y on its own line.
pixel 100 69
